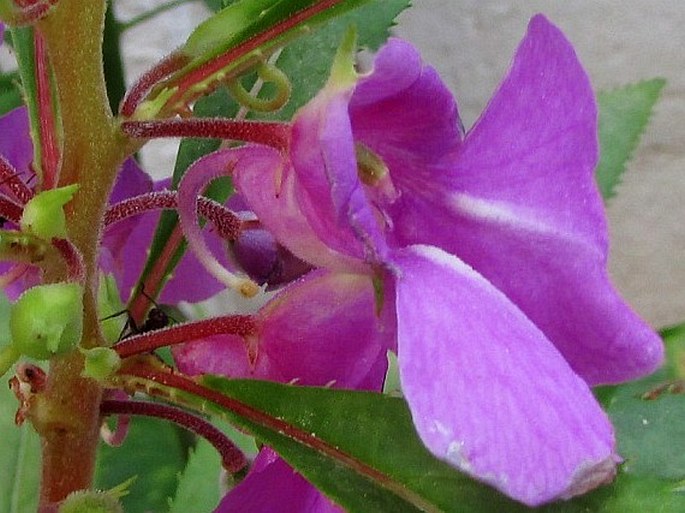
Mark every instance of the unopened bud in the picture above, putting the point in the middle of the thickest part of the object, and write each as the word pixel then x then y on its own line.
pixel 47 320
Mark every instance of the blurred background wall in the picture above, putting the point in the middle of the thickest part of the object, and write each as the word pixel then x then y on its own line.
pixel 471 42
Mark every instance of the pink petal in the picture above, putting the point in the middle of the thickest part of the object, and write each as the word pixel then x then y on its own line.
pixel 321 330
pixel 519 203
pixel 488 392
pixel 272 486
pixel 327 185
pixel 272 194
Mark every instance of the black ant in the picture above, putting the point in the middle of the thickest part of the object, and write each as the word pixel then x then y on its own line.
pixel 156 319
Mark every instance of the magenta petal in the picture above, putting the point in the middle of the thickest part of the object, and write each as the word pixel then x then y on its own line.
pixel 273 487
pixel 321 330
pixel 270 192
pixel 519 203
pixel 488 392
pixel 404 111
pixel 324 329
pixel 328 188
pixel 15 142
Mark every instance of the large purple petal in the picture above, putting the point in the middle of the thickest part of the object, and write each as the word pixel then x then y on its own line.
pixel 488 392
pixel 273 487
pixel 321 330
pixel 519 203
pixel 15 142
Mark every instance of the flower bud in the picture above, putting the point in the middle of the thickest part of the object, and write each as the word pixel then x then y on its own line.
pixel 47 320
pixel 43 215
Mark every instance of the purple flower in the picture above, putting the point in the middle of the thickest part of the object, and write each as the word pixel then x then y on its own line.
pixel 492 248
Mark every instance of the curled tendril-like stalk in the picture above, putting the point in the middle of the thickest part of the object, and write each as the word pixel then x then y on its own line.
pixel 268 73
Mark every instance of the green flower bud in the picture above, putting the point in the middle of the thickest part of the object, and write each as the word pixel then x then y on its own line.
pixel 101 362
pixel 43 215
pixel 47 320
pixel 87 501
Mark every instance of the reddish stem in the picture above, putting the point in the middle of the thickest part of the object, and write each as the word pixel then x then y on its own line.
pixel 232 457
pixel 10 210
pixel 48 137
pixel 73 259
pixel 10 176
pixel 270 133
pixel 161 70
pixel 242 325
pixel 216 64
pixel 228 225
pixel 152 283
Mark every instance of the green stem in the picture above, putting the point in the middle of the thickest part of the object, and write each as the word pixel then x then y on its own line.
pixel 93 149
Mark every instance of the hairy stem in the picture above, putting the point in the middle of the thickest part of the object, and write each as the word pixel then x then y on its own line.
pixel 92 151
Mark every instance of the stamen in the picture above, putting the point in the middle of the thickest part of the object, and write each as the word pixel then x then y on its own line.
pixel 232 458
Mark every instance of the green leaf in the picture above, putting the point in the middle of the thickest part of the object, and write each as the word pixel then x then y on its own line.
pixel 307 61
pixel 362 451
pixel 360 448
pixel 647 428
pixel 623 117
pixel 10 92
pixel 19 446
pixel 198 487
pixel 155 451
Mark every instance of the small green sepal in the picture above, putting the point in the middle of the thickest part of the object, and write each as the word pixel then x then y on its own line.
pixel 44 214
pixel 47 320
pixel 100 362
pixel 89 501
pixel 343 74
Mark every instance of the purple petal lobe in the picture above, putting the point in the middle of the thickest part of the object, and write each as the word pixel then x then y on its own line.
pixel 271 192
pixel 488 392
pixel 321 330
pixel 271 487
pixel 329 191
pixel 15 142
pixel 519 203
pixel 404 111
